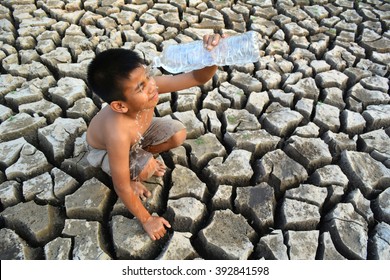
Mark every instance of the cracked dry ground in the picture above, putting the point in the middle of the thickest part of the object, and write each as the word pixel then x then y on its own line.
pixel 286 158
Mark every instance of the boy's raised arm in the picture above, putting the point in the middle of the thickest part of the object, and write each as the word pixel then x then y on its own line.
pixel 183 81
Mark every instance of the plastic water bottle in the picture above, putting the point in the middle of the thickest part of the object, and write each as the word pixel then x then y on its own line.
pixel 233 50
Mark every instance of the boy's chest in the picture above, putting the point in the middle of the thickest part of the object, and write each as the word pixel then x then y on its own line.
pixel 140 125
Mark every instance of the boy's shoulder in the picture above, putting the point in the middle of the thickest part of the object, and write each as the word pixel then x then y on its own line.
pixel 109 120
pixel 101 118
pixel 109 125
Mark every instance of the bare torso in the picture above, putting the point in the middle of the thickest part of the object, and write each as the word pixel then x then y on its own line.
pixel 107 122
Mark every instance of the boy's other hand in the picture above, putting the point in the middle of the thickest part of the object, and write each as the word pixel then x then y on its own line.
pixel 155 227
pixel 211 41
pixel 140 190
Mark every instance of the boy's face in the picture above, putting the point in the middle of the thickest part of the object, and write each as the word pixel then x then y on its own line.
pixel 140 90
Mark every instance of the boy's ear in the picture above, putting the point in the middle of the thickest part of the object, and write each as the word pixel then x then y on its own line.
pixel 119 106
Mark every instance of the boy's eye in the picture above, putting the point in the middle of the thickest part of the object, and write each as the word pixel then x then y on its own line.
pixel 140 88
pixel 142 85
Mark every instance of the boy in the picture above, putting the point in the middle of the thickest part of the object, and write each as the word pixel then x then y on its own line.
pixel 123 136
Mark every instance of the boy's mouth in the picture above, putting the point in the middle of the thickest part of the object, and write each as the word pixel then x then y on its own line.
pixel 154 96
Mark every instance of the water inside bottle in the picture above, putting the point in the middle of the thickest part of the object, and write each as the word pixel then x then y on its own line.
pixel 191 56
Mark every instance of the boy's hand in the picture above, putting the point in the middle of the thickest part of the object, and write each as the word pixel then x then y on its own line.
pixel 210 41
pixel 140 190
pixel 155 227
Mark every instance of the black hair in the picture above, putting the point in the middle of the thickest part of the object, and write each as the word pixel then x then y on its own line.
pixel 107 71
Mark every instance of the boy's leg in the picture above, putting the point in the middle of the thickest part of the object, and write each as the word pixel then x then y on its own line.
pixel 175 141
pixel 156 167
pixel 141 166
pixel 163 135
pixel 153 167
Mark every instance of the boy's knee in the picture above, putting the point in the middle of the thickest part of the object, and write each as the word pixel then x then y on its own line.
pixel 179 137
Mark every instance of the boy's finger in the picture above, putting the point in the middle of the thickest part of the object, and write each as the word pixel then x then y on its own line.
pixel 160 234
pixel 148 194
pixel 210 42
pixel 166 223
pixel 216 39
pixel 205 40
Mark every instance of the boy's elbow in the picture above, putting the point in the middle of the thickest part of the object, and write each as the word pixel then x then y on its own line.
pixel 202 76
pixel 202 81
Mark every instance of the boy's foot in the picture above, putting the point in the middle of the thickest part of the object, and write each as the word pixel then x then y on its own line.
pixel 153 167
pixel 160 168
